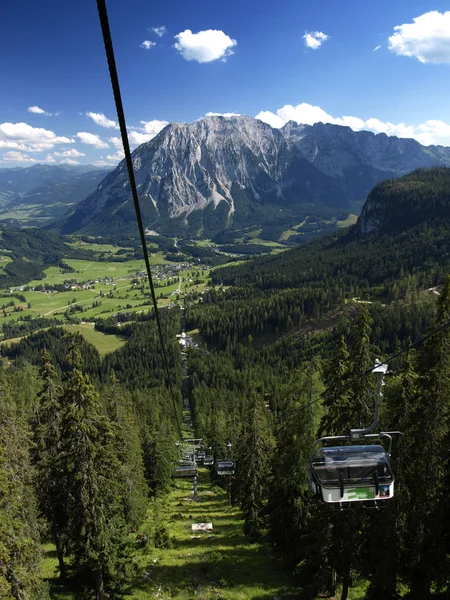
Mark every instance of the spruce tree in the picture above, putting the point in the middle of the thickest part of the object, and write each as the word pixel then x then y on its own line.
pixel 50 479
pixel 20 569
pixel 129 453
pixel 428 466
pixel 254 467
pixel 96 529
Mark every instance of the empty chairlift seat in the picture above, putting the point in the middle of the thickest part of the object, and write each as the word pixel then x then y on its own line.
pixel 184 471
pixel 208 461
pixel 351 473
pixel 224 467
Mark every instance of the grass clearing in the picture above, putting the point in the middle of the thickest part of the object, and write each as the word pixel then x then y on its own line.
pixel 223 564
pixel 220 565
pixel 105 343
pixel 350 220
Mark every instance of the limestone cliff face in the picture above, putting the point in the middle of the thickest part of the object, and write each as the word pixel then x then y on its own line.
pixel 203 165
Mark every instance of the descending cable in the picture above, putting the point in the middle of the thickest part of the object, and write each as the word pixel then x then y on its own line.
pixel 347 384
pixel 107 40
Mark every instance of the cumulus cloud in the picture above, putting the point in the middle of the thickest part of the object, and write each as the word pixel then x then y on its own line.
pixel 91 139
pixel 147 132
pixel 39 111
pixel 314 39
pixel 102 120
pixel 24 137
pixel 72 153
pixel 17 157
pixel 49 158
pixel 160 31
pixel 427 38
pixel 147 44
pixel 427 133
pixel 116 141
pixel 69 161
pixel 116 156
pixel 215 114
pixel 204 46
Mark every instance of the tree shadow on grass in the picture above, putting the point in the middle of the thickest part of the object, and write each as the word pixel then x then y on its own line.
pixel 218 571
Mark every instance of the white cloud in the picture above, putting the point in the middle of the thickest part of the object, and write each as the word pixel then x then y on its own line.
pixel 204 46
pixel 427 133
pixel 91 139
pixel 427 38
pixel 103 163
pixel 376 48
pixel 69 153
pixel 230 114
pixel 39 111
pixel 314 39
pixel 18 157
pixel 116 141
pixel 102 120
pixel 153 127
pixel 146 133
pixel 21 136
pixel 49 158
pixel 116 156
pixel 69 161
pixel 160 31
pixel 147 44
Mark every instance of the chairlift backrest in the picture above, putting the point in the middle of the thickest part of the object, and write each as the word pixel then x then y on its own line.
pixel 184 471
pixel 224 467
pixel 351 473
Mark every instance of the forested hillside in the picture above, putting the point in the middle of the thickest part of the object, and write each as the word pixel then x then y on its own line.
pixel 281 346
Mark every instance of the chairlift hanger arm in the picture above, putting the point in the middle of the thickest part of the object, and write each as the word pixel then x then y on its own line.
pixel 380 370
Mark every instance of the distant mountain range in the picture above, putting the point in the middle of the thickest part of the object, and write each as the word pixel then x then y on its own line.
pixel 226 174
pixel 37 194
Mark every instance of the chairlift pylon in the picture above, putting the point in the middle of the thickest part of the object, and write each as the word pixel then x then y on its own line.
pixel 344 474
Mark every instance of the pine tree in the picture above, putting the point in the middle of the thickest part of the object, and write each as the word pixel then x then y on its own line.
pixel 50 480
pixel 350 406
pixel 337 402
pixel 96 530
pixel 295 515
pixel 384 554
pixel 428 467
pixel 129 453
pixel 19 528
pixel 254 467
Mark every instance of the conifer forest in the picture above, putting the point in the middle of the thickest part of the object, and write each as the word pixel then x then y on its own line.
pixel 283 349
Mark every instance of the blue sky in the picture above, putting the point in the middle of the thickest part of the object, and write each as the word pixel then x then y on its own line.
pixel 306 61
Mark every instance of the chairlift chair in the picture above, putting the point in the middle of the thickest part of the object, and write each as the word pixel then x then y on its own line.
pixel 354 471
pixel 351 473
pixel 184 472
pixel 225 467
pixel 208 461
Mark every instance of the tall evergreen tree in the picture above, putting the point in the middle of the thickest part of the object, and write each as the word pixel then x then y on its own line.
pixel 96 530
pixel 50 480
pixel 129 453
pixel 20 569
pixel 428 466
pixel 254 467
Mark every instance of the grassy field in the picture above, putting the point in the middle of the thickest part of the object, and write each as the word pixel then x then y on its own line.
pixel 104 343
pixel 111 291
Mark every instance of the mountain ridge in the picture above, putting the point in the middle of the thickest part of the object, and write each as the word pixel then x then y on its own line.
pixel 226 173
